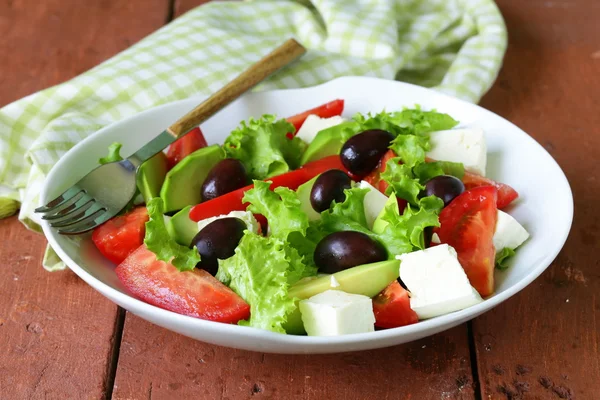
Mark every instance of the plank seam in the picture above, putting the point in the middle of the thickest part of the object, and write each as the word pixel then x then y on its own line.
pixel 114 356
pixel 170 11
pixel 477 388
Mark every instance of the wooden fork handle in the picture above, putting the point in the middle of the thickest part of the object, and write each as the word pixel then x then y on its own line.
pixel 278 58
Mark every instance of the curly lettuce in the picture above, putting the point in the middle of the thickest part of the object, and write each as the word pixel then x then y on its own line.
pixel 263 147
pixel 158 240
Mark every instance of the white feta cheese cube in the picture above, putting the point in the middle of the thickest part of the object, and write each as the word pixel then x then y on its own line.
pixel 245 216
pixel 466 146
pixel 334 312
pixel 314 124
pixel 509 233
pixel 435 238
pixel 374 202
pixel 437 282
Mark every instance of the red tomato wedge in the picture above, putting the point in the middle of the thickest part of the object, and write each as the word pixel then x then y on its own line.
pixel 232 201
pixel 120 236
pixel 195 293
pixel 184 146
pixel 506 194
pixel 392 307
pixel 468 224
pixel 328 110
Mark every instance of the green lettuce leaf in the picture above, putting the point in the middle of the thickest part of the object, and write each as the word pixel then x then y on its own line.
pixel 411 149
pixel 401 234
pixel 418 122
pixel 402 181
pixel 408 182
pixel 426 171
pixel 281 207
pixel 263 147
pixel 261 271
pixel 502 257
pixel 412 223
pixel 114 154
pixel 158 240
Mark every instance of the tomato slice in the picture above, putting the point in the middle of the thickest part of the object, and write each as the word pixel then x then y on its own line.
pixel 232 201
pixel 506 194
pixel 392 307
pixel 327 110
pixel 195 293
pixel 184 146
pixel 468 224
pixel 120 236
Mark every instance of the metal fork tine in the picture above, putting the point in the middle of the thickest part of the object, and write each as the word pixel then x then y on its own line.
pixel 61 200
pixel 90 223
pixel 81 216
pixel 82 204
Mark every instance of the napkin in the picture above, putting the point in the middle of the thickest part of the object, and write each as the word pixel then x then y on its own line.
pixel 454 46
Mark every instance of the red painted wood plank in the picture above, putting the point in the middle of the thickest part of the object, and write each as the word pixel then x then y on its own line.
pixel 56 332
pixel 544 342
pixel 158 364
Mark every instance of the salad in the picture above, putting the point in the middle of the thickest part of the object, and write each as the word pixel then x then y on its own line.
pixel 317 224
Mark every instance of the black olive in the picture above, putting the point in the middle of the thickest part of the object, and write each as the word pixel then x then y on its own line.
pixel 329 186
pixel 218 240
pixel 342 250
pixel 361 153
pixel 446 187
pixel 226 176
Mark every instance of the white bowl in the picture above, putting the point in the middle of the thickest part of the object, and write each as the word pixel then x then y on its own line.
pixel 545 206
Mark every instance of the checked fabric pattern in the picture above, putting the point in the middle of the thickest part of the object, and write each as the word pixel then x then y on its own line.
pixel 455 46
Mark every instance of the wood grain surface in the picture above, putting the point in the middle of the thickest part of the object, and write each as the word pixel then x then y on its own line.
pixel 543 343
pixel 56 333
pixel 158 364
pixel 57 336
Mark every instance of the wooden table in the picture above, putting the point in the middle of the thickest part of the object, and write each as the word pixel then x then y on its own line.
pixel 59 339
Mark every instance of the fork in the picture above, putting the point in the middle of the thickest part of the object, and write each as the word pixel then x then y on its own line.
pixel 107 189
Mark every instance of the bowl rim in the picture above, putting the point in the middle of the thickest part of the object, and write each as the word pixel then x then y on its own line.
pixel 133 304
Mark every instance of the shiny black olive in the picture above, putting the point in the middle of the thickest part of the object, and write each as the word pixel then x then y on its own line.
pixel 218 240
pixel 361 153
pixel 342 250
pixel 329 186
pixel 446 187
pixel 226 176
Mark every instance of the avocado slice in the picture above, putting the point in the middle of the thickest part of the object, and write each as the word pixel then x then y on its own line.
pixel 182 228
pixel 151 175
pixel 329 141
pixel 366 279
pixel 182 183
pixel 380 224
pixel 303 193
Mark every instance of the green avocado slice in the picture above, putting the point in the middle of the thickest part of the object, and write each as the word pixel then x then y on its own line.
pixel 366 279
pixel 303 193
pixel 329 141
pixel 183 183
pixel 151 175
pixel 182 228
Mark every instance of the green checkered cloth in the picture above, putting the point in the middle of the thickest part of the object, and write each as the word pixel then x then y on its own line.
pixel 454 46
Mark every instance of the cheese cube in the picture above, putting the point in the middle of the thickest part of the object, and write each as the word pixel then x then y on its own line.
pixel 437 282
pixel 334 312
pixel 466 146
pixel 245 216
pixel 314 124
pixel 509 233
pixel 374 202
